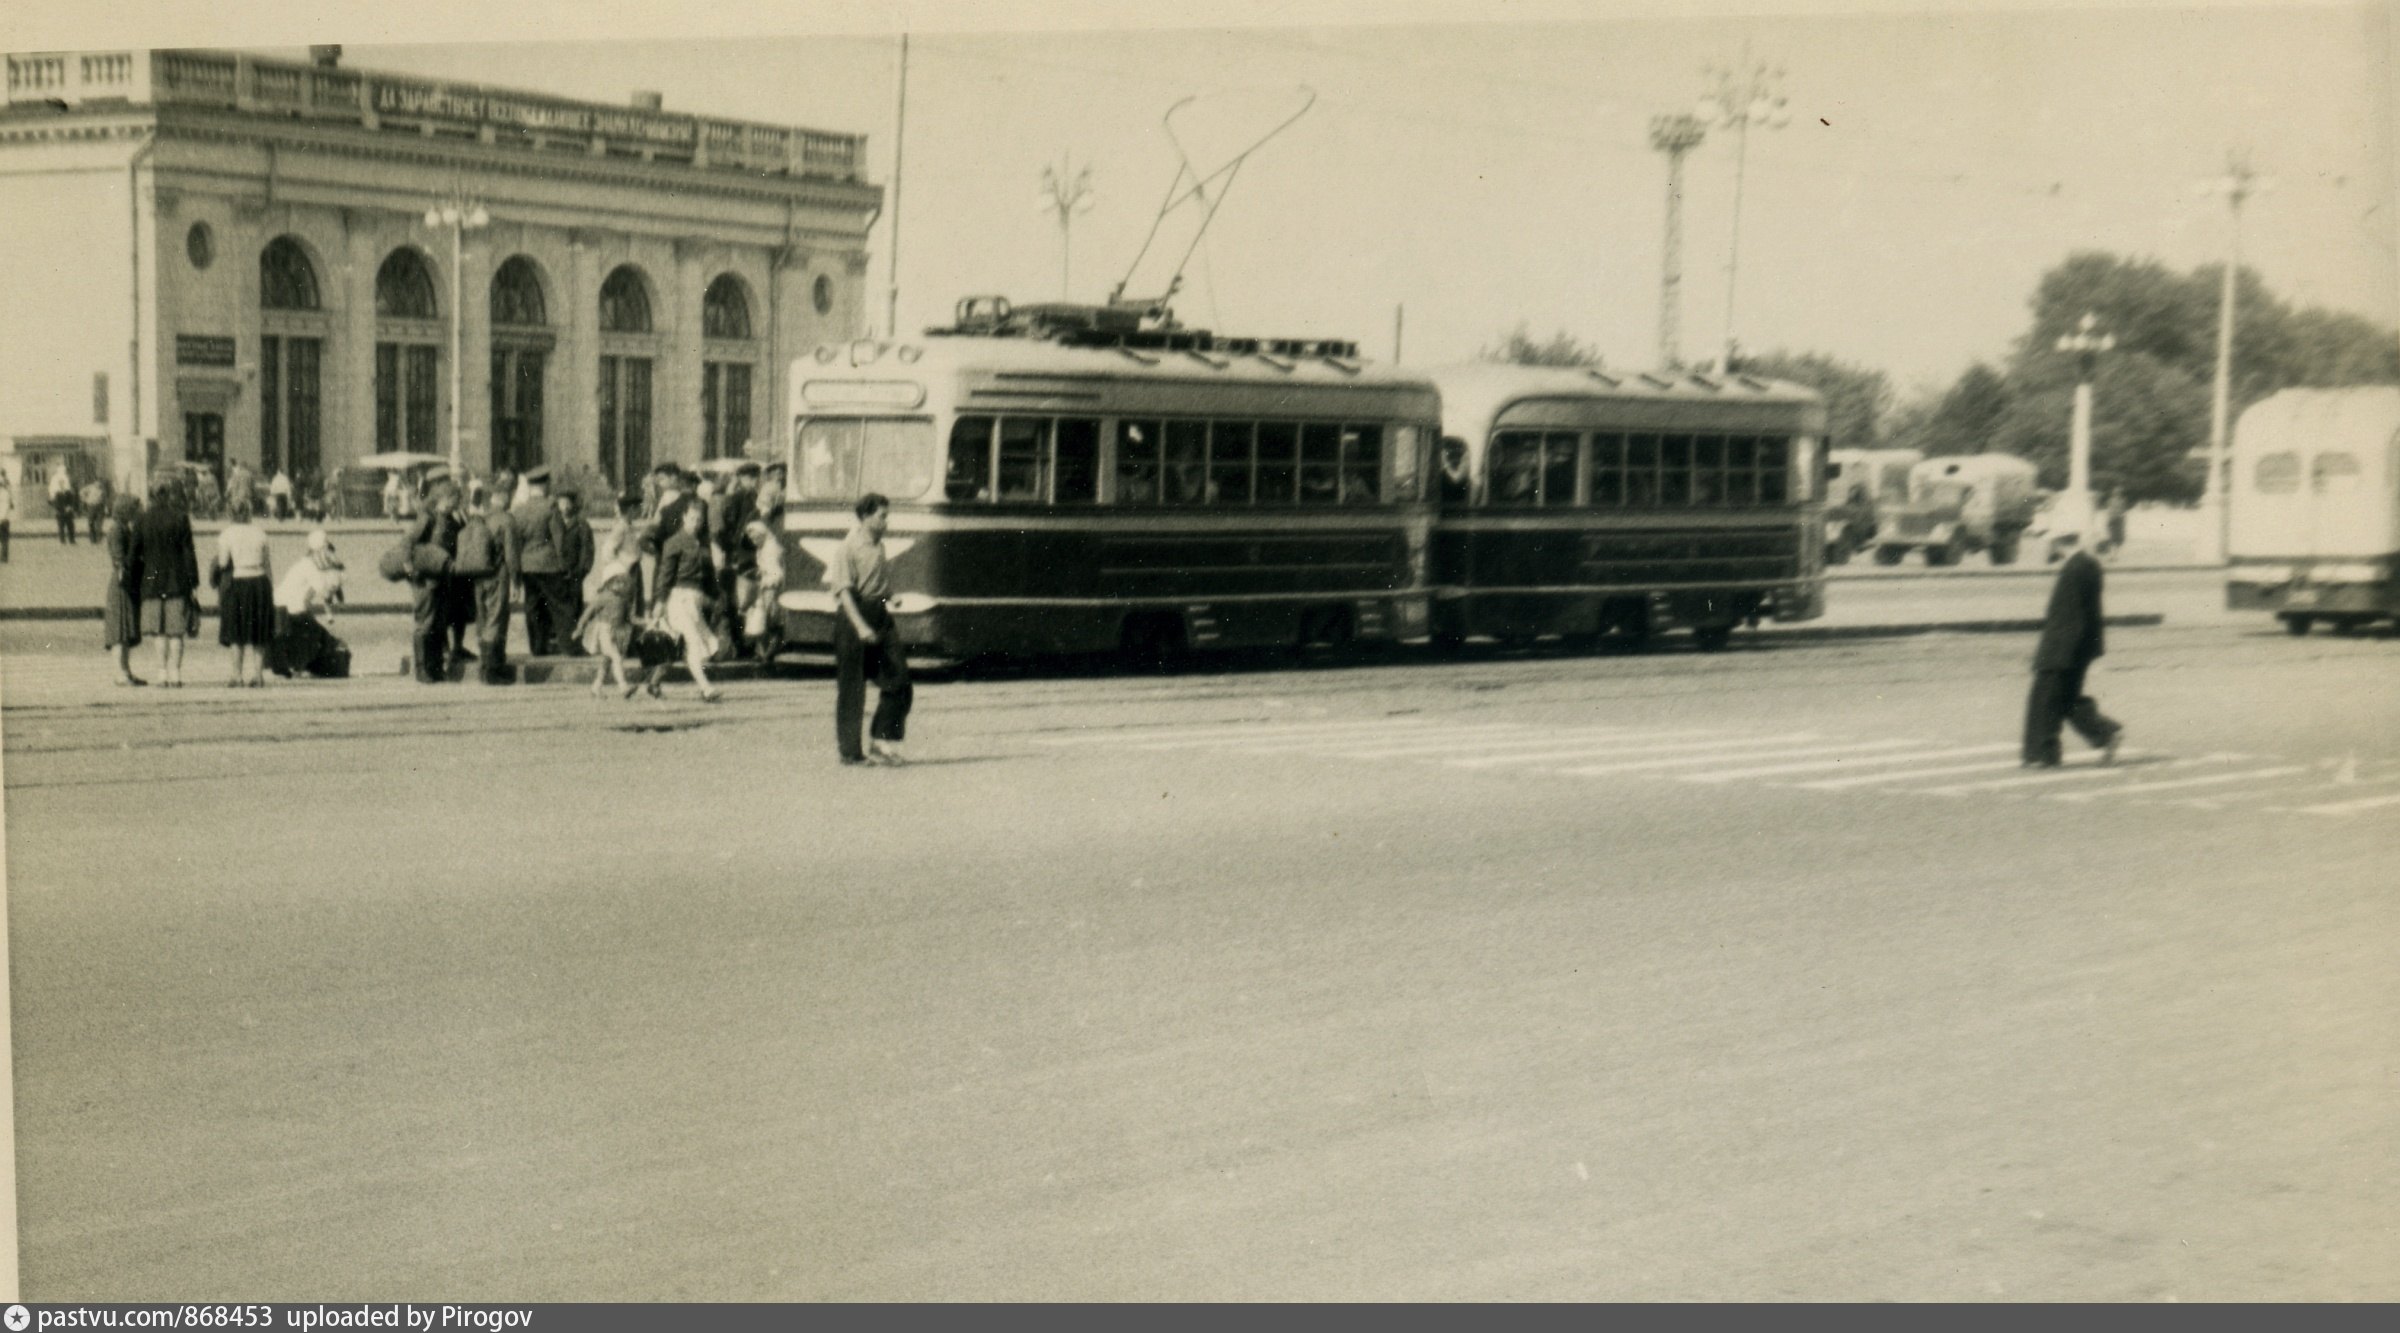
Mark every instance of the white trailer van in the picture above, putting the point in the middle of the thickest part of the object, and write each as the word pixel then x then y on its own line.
pixel 2315 520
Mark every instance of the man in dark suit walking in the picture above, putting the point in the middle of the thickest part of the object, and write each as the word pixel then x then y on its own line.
pixel 2071 641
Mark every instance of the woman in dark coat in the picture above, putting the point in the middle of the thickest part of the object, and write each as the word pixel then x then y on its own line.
pixel 121 626
pixel 170 576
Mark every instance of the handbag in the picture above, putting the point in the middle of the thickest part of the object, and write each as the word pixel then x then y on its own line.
pixel 656 647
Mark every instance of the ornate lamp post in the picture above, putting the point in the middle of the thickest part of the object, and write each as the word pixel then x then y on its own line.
pixel 2237 184
pixel 461 215
pixel 1066 192
pixel 1674 136
pixel 2086 343
pixel 1742 98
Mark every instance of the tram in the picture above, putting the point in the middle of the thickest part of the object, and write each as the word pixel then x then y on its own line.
pixel 1070 478
pixel 1579 503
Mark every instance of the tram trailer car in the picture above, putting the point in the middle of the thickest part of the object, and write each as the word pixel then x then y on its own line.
pixel 1581 504
pixel 2314 531
pixel 1070 479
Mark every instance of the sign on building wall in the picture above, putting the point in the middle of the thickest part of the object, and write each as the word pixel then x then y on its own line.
pixel 99 397
pixel 196 349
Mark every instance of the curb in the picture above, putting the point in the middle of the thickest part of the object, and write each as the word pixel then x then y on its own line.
pixel 2141 620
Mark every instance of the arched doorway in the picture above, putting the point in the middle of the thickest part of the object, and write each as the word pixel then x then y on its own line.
pixel 727 369
pixel 291 358
pixel 628 354
pixel 408 356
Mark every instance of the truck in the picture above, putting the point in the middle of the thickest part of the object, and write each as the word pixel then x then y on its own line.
pixel 1959 505
pixel 1859 485
pixel 2313 526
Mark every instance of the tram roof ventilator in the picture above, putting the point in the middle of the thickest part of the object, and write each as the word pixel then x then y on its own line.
pixel 1126 326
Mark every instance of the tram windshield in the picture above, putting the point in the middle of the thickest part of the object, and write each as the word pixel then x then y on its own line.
pixel 842 458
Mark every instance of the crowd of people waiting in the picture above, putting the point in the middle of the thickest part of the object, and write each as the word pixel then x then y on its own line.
pixel 686 571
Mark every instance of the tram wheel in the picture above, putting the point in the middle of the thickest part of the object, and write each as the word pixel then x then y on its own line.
pixel 2296 625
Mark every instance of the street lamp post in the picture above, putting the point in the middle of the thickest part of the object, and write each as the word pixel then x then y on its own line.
pixel 461 215
pixel 1066 192
pixel 2237 184
pixel 2086 343
pixel 1674 136
pixel 1743 97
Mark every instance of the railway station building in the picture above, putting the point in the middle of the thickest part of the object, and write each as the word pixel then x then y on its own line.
pixel 214 257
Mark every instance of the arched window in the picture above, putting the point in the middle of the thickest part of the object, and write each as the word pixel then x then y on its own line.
pixel 403 289
pixel 286 280
pixel 625 302
pixel 725 311
pixel 517 294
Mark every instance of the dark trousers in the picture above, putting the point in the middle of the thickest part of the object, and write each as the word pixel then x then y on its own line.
pixel 2058 699
pixel 302 645
pixel 66 526
pixel 3 541
pixel 725 614
pixel 491 628
pixel 457 596
pixel 854 660
pixel 429 603
pixel 91 524
pixel 548 617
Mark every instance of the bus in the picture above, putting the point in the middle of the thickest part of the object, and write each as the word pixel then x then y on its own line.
pixel 1072 479
pixel 2315 518
pixel 1584 504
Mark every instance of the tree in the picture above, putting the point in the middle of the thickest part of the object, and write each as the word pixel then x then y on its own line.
pixel 1562 349
pixel 2146 418
pixel 1856 399
pixel 1966 420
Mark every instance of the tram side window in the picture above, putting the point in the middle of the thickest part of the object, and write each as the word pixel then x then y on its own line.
pixel 1137 462
pixel 1278 456
pixel 1708 471
pixel 829 460
pixel 1516 468
pixel 2277 474
pixel 1362 464
pixel 1077 477
pixel 1741 470
pixel 1229 462
pixel 1024 459
pixel 1320 463
pixel 1641 471
pixel 1774 470
pixel 1608 471
pixel 1558 468
pixel 969 475
pixel 1186 472
pixel 2333 473
pixel 1675 471
pixel 1408 461
pixel 896 459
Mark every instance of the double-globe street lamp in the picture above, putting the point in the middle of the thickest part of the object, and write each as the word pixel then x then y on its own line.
pixel 1066 192
pixel 461 215
pixel 2085 344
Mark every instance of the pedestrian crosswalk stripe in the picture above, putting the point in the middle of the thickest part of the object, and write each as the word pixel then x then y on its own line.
pixel 1689 761
pixel 2204 781
pixel 1687 741
pixel 1820 765
pixel 1798 760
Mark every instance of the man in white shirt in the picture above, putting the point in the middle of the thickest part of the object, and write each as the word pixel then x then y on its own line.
pixel 280 491
pixel 304 600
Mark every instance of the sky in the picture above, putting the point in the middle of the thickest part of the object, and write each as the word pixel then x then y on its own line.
pixel 1481 167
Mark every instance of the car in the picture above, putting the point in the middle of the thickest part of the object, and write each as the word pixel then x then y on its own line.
pixel 363 481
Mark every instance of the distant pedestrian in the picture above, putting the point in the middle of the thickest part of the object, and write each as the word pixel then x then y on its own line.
pixel 121 621
pixel 304 601
pixel 487 559
pixel 678 593
pixel 93 500
pixel 866 641
pixel 762 618
pixel 433 547
pixel 245 595
pixel 542 565
pixel 62 504
pixel 2116 522
pixel 576 550
pixel 242 483
pixel 170 577
pixel 8 514
pixel 2071 642
pixel 737 566
pixel 605 628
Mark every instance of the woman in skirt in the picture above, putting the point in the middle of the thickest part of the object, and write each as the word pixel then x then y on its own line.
pixel 121 624
pixel 170 577
pixel 246 602
pixel 606 627
pixel 676 601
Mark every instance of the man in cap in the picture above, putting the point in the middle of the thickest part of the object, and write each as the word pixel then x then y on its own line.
pixel 541 565
pixel 487 560
pixel 304 600
pixel 433 546
pixel 2071 642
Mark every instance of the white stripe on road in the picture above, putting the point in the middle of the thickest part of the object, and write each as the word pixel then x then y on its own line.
pixel 2211 779
pixel 2347 807
pixel 1948 770
pixel 1689 761
pixel 1820 765
pixel 1554 753
pixel 2068 772
pixel 1222 728
pixel 1437 743
pixel 1286 744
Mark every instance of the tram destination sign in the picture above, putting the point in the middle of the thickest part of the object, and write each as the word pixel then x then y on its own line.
pixel 203 349
pixel 440 101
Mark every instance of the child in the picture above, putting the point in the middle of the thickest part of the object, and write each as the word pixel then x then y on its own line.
pixel 606 627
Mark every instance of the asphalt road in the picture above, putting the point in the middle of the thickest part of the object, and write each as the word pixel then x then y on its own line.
pixel 1759 975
